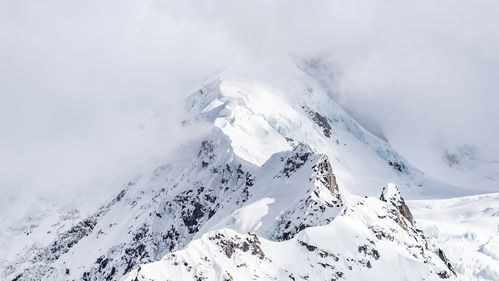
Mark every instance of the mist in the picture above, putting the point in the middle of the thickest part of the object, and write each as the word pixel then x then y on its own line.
pixel 78 80
pixel 92 92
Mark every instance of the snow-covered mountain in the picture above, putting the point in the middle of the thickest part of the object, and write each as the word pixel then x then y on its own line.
pixel 371 239
pixel 282 185
pixel 465 166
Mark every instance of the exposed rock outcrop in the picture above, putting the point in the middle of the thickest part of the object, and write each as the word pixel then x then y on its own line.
pixel 391 194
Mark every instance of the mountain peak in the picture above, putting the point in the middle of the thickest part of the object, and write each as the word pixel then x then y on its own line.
pixel 391 195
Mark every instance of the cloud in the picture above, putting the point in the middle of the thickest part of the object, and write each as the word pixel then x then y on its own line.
pixel 425 72
pixel 420 71
pixel 77 81
pixel 78 78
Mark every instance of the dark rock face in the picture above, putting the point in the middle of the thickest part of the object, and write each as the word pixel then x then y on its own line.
pixel 399 166
pixel 446 261
pixel 295 162
pixel 206 153
pixel 404 210
pixel 322 122
pixel 250 244
pixel 369 251
pixel 325 171
pixel 309 247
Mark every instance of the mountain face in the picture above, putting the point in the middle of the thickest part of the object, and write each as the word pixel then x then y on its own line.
pixel 284 185
pixel 371 239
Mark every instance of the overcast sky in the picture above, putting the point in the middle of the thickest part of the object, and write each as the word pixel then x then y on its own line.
pixel 78 78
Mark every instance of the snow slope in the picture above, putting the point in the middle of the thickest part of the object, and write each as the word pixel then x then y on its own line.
pixel 467 229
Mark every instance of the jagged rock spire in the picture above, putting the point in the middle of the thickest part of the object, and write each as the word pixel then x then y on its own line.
pixel 391 194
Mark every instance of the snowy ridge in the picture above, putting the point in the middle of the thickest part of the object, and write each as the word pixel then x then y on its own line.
pixel 146 220
pixel 365 241
pixel 293 190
